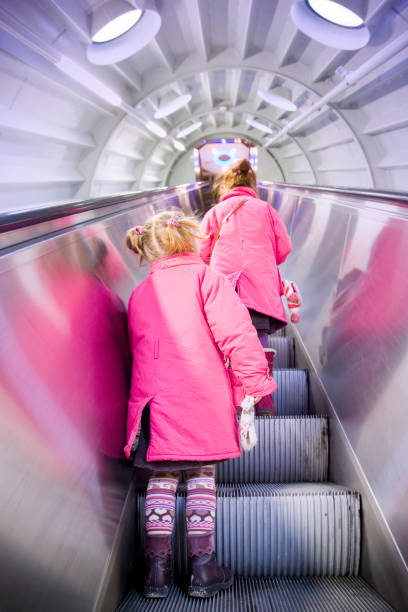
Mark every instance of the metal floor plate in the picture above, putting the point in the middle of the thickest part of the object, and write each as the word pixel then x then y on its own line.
pixel 271 595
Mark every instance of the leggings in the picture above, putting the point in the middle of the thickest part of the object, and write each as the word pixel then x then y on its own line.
pixel 200 508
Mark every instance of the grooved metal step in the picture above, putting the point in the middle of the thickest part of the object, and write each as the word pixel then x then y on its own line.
pixel 292 396
pixel 278 334
pixel 271 595
pixel 309 529
pixel 289 449
pixel 285 347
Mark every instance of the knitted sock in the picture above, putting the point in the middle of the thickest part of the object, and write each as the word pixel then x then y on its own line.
pixel 201 501
pixel 161 505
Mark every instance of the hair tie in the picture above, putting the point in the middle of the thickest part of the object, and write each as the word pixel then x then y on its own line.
pixel 173 221
pixel 250 171
pixel 238 172
pixel 139 229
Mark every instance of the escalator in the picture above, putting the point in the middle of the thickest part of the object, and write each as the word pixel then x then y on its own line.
pixel 291 537
pixel 305 520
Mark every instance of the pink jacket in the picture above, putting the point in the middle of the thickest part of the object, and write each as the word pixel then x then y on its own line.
pixel 183 319
pixel 254 241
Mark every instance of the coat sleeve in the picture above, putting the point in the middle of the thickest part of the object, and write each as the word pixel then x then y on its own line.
pixel 209 231
pixel 283 242
pixel 234 334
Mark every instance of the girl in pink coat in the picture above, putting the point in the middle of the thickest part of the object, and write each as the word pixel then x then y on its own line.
pixel 252 243
pixel 184 319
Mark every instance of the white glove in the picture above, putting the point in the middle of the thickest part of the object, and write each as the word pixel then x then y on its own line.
pixel 247 433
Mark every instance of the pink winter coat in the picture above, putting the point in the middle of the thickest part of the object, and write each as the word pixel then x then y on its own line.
pixel 183 319
pixel 254 241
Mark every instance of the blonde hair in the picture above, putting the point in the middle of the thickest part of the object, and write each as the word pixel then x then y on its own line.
pixel 217 188
pixel 164 234
pixel 241 174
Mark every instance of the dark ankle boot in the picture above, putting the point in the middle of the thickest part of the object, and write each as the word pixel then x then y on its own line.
pixel 158 566
pixel 206 576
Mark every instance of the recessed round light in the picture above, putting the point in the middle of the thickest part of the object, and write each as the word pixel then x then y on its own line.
pixel 118 30
pixel 172 107
pixel 189 129
pixel 259 126
pixel 117 27
pixel 277 100
pixel 327 32
pixel 336 13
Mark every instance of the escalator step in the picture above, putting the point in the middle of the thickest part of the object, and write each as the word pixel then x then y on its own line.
pixel 291 397
pixel 267 594
pixel 308 529
pixel 289 449
pixel 278 334
pixel 285 348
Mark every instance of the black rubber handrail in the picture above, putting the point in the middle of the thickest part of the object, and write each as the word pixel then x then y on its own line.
pixel 13 220
pixel 394 196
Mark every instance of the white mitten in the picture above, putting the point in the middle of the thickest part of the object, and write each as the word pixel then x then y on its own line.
pixel 247 433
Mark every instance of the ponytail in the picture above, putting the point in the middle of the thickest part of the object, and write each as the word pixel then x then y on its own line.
pixel 164 234
pixel 134 239
pixel 241 174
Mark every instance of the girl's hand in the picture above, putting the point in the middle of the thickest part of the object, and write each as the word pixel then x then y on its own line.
pixel 257 399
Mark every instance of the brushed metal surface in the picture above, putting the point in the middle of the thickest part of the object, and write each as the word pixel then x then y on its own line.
pixel 349 260
pixel 381 564
pixel 22 226
pixel 64 381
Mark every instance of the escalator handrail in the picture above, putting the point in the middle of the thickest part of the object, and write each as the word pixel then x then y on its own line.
pixel 17 219
pixel 392 197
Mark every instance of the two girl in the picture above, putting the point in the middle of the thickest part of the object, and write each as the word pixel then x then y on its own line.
pixel 184 320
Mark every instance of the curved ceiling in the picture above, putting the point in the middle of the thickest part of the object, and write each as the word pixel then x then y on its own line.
pixel 62 139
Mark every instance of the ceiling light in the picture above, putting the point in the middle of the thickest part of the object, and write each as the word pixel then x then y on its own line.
pixel 86 79
pixel 259 126
pixel 224 159
pixel 157 129
pixel 118 26
pixel 172 106
pixel 276 99
pixel 191 128
pixel 336 13
pixel 324 30
pixel 179 145
pixel 118 30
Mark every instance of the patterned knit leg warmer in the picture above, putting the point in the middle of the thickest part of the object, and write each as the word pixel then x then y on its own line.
pixel 200 510
pixel 160 512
